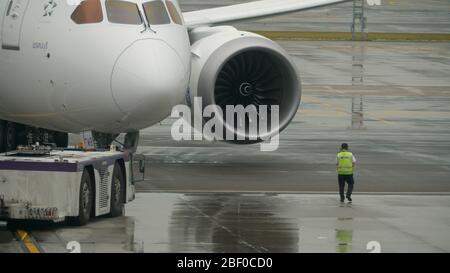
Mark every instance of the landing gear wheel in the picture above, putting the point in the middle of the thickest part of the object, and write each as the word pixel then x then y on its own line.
pixel 103 140
pixel 85 201
pixel 117 191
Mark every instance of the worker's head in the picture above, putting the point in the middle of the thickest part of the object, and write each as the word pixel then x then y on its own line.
pixel 344 146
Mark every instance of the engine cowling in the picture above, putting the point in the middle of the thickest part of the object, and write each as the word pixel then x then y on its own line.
pixel 231 67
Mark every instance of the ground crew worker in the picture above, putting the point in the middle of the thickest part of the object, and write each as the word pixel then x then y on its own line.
pixel 345 163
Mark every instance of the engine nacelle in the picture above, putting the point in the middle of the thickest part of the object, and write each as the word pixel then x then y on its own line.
pixel 231 67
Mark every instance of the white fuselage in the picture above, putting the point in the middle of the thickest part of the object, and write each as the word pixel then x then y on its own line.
pixel 104 76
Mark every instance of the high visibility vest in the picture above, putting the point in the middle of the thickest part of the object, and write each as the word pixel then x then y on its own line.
pixel 345 163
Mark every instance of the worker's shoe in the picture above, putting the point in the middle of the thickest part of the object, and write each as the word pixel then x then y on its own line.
pixel 349 199
pixel 342 200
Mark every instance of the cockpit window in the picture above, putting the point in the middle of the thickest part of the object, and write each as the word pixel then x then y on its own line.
pixel 156 13
pixel 88 12
pixel 176 18
pixel 123 12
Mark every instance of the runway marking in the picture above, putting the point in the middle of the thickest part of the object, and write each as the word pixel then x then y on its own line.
pixel 212 219
pixel 339 108
pixel 27 242
pixel 414 90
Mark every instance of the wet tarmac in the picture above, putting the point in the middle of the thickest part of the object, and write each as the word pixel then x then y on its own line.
pixel 255 223
pixel 396 16
pixel 291 223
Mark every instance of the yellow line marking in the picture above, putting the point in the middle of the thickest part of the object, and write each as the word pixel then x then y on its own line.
pixel 27 242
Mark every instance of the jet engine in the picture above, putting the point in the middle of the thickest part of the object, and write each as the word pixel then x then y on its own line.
pixel 232 68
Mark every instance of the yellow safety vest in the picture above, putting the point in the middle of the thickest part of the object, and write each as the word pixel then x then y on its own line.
pixel 345 163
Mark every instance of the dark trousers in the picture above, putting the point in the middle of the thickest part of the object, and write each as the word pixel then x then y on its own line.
pixel 342 179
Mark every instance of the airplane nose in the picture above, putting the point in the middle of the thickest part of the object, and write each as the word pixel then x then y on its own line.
pixel 148 79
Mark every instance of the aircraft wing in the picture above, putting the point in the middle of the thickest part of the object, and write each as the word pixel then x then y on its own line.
pixel 256 9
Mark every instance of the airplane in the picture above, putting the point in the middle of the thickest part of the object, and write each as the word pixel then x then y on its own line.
pixel 118 66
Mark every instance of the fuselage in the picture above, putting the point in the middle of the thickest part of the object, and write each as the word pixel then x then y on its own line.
pixel 74 73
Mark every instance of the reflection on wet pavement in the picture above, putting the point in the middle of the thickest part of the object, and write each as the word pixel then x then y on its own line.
pixel 233 224
pixel 102 235
pixel 256 223
pixel 289 223
pixel 344 235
